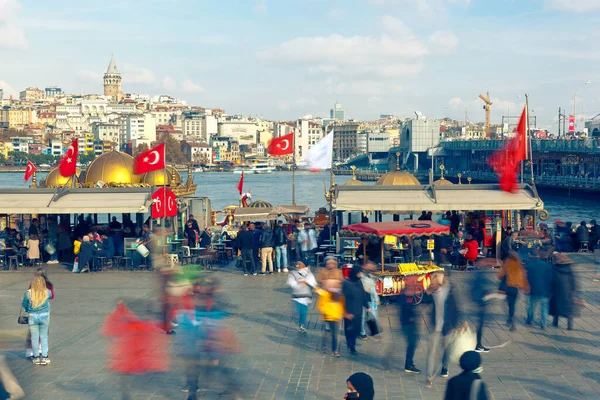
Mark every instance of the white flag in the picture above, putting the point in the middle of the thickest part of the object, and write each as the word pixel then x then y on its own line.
pixel 320 156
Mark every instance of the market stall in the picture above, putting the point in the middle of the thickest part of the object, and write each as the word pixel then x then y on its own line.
pixel 392 276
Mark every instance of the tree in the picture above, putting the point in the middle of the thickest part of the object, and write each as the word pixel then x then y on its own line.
pixel 142 147
pixel 18 157
pixel 85 158
pixel 200 158
pixel 174 154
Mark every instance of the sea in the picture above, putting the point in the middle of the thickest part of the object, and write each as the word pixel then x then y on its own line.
pixel 276 188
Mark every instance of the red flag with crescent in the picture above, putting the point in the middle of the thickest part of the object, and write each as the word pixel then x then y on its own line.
pixel 282 146
pixel 164 203
pixel 68 165
pixel 31 168
pixel 150 160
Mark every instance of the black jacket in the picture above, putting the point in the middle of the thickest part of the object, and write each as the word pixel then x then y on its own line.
pixel 86 253
pixel 267 238
pixel 280 236
pixel 355 298
pixel 407 310
pixel 583 235
pixel 564 288
pixel 459 387
pixel 246 240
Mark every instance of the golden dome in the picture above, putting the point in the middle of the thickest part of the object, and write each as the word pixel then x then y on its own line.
pixel 157 178
pixel 398 178
pixel 354 182
pixel 443 181
pixel 260 204
pixel 55 179
pixel 112 167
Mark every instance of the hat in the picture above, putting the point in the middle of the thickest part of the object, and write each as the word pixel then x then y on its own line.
pixel 561 259
pixel 363 384
pixel 470 361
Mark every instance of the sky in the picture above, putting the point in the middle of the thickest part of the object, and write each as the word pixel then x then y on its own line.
pixel 282 59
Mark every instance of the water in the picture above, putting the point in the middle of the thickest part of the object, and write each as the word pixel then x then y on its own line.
pixel 276 188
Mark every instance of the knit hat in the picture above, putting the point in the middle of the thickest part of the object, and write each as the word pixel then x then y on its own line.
pixel 470 361
pixel 363 384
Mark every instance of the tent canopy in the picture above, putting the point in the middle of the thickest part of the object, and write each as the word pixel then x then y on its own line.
pixel 244 214
pixel 296 210
pixel 414 199
pixel 399 229
pixel 75 201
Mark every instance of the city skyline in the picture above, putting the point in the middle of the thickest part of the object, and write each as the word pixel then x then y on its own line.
pixel 372 56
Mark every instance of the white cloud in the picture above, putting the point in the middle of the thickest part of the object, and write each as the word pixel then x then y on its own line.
pixel 443 42
pixel 456 102
pixel 87 75
pixel 574 5
pixel 169 83
pixel 12 35
pixel 261 6
pixel 137 75
pixel 188 86
pixel 395 26
pixel 8 90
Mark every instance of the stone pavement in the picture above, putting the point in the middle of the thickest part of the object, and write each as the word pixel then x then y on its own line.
pixel 278 363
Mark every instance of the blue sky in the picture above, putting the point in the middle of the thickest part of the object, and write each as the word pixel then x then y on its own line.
pixel 286 58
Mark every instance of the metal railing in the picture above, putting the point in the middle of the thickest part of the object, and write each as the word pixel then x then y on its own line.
pixel 558 145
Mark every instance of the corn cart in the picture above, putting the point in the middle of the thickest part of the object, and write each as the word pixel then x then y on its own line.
pixel 393 277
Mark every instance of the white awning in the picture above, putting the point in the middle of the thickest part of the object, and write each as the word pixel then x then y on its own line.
pixel 414 199
pixel 243 214
pixel 75 201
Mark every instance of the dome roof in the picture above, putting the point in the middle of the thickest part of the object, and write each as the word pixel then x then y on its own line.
pixel 112 167
pixel 443 181
pixel 54 179
pixel 354 182
pixel 398 178
pixel 157 178
pixel 260 204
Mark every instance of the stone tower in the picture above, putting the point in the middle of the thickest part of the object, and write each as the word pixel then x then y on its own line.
pixel 112 81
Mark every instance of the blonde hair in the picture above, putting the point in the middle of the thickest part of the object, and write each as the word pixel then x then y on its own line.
pixel 39 292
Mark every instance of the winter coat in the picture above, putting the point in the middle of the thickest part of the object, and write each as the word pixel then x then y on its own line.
pixel 246 240
pixel 326 274
pixel 472 249
pixel 86 253
pixel 355 298
pixel 280 236
pixel 331 309
pixel 267 238
pixel 459 387
pixel 256 237
pixel 583 235
pixel 539 275
pixel 515 275
pixel 302 293
pixel 564 288
pixel 33 249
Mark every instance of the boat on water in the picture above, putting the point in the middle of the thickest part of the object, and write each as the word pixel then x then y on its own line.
pixel 258 168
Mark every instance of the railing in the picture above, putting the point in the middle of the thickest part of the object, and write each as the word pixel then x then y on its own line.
pixel 559 145
pixel 572 182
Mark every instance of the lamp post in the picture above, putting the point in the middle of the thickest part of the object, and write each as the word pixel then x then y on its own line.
pixel 575 102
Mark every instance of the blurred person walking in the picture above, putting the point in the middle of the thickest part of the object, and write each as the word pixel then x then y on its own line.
pixel 330 303
pixel 246 243
pixel 302 282
pixel 408 323
pixel 355 298
pixel 539 276
pixel 370 288
pixel 481 286
pixel 36 304
pixel 513 273
pixel 564 289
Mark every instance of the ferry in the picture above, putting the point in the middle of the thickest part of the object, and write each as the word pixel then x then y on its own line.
pixel 258 168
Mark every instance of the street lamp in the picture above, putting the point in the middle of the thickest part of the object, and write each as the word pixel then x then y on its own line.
pixel 574 103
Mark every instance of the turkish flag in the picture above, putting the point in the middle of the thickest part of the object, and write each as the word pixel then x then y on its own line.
pixel 505 161
pixel 68 164
pixel 164 203
pixel 31 168
pixel 150 160
pixel 240 185
pixel 282 146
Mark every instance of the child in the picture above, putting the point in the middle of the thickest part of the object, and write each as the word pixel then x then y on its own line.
pixel 302 281
pixel 468 385
pixel 33 248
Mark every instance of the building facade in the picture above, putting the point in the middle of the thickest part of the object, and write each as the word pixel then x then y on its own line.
pixel 345 140
pixel 243 132
pixel 53 91
pixel 32 94
pixel 337 113
pixel 140 127
pixel 308 132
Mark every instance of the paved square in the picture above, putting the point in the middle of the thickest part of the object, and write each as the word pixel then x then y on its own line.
pixel 277 362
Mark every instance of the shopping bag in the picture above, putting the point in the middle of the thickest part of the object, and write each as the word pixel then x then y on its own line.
pixel 50 249
pixel 76 265
pixel 459 342
pixel 373 325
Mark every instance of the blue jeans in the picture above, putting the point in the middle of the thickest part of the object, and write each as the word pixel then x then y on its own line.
pixel 544 303
pixel 302 313
pixel 281 257
pixel 54 256
pixel 38 327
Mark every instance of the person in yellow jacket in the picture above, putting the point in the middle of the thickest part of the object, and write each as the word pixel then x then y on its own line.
pixel 331 306
pixel 76 246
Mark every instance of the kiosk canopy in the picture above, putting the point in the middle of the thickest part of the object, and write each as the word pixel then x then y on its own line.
pixel 408 228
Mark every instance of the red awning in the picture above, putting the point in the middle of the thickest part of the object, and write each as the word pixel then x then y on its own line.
pixel 400 228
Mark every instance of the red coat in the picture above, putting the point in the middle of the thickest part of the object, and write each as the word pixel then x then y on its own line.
pixel 472 250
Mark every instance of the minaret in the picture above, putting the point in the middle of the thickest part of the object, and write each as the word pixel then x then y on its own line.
pixel 112 81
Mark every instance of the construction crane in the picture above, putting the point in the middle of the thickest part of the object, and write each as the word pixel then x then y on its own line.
pixel 487 107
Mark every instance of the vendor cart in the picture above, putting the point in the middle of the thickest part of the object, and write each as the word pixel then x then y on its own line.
pixel 392 278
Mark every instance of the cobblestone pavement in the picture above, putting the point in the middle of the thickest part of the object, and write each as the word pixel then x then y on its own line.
pixel 279 363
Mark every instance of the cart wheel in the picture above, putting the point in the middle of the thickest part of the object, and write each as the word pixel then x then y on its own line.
pixel 417 298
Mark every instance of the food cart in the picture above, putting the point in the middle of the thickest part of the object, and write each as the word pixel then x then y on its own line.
pixel 392 277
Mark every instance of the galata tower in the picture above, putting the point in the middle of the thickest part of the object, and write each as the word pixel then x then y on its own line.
pixel 112 81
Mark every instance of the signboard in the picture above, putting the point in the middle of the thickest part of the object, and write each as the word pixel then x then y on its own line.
pixel 571 123
pixel 430 244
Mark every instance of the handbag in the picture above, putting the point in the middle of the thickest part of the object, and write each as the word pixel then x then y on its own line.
pixel 23 319
pixel 50 249
pixel 373 325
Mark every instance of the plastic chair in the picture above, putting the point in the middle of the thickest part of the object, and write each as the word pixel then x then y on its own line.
pixel 584 247
pixel 13 260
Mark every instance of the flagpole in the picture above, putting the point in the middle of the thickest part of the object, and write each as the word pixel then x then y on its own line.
pixel 294 170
